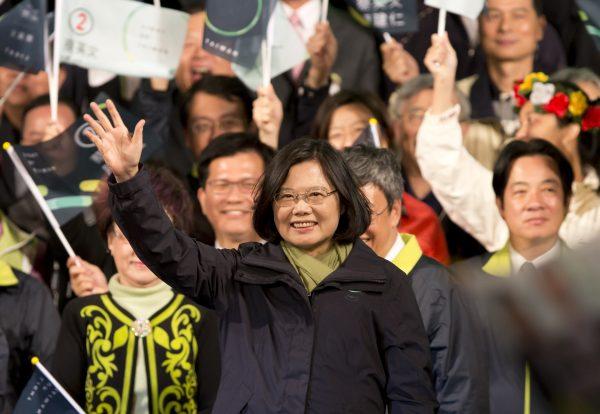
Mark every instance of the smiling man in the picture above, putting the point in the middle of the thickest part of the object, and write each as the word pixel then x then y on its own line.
pixel 532 181
pixel 229 169
pixel 459 377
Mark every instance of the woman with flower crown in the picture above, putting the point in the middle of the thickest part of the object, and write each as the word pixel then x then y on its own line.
pixel 559 112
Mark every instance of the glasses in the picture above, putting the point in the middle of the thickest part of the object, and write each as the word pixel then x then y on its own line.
pixel 312 197
pixel 224 186
pixel 228 124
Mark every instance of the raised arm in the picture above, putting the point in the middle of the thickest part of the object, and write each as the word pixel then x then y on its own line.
pixel 199 271
pixel 462 185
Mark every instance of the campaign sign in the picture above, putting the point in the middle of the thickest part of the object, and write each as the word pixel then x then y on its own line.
pixel 122 36
pixel 392 16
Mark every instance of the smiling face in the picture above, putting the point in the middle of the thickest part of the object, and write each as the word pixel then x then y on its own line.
pixel 347 123
pixel 533 204
pixel 382 232
pixel 227 199
pixel 194 60
pixel 132 272
pixel 308 227
pixel 539 125
pixel 510 29
pixel 211 116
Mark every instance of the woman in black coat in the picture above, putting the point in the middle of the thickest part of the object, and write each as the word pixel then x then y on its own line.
pixel 313 320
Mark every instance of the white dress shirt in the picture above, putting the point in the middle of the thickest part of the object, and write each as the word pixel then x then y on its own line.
pixel 396 248
pixel 309 14
pixel 517 261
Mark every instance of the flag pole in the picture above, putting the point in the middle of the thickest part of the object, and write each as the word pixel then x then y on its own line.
pixel 36 362
pixel 441 22
pixel 38 197
pixel 55 60
pixel 375 132
pixel 266 53
pixel 11 88
pixel 324 9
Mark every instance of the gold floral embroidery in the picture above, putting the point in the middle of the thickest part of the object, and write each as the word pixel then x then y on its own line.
pixel 100 345
pixel 181 352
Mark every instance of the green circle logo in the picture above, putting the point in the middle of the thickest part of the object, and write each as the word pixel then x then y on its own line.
pixel 223 21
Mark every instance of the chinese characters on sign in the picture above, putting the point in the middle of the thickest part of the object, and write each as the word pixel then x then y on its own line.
pixel 123 37
pixel 393 16
pixel 22 37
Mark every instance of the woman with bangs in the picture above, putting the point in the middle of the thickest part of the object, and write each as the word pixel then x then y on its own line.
pixel 311 321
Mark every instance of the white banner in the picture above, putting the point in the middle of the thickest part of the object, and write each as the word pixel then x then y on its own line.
pixel 122 36
pixel 468 8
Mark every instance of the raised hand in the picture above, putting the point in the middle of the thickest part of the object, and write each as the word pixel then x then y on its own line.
pixel 86 279
pixel 441 58
pixel 267 112
pixel 121 150
pixel 322 48
pixel 441 61
pixel 399 65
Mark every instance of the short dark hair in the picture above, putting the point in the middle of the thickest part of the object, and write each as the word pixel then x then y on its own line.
pixel 355 213
pixel 227 145
pixel 170 191
pixel 44 100
pixel 226 87
pixel 368 100
pixel 378 166
pixel 537 6
pixel 518 149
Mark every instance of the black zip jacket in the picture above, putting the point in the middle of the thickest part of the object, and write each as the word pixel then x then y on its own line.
pixel 355 345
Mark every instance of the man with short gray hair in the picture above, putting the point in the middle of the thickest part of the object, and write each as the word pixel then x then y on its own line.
pixel 460 379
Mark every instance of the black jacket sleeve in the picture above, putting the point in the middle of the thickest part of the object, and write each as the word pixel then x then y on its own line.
pixel 42 321
pixel 69 364
pixel 190 267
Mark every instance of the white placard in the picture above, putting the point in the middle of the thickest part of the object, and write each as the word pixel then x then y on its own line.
pixel 122 36
pixel 468 8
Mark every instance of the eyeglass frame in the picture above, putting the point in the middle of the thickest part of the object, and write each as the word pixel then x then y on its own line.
pixel 230 185
pixel 304 197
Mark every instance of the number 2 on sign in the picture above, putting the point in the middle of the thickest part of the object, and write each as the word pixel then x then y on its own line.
pixel 80 21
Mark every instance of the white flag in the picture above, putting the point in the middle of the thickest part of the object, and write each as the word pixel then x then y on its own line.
pixel 122 36
pixel 288 50
pixel 467 8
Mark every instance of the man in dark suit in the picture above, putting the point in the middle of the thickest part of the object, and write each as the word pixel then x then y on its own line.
pixel 343 55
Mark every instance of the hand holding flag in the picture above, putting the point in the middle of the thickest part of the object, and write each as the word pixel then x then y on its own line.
pixel 267 112
pixel 441 61
pixel 121 151
pixel 322 48
pixel 399 65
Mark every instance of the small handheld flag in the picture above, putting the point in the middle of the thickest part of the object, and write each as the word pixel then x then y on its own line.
pixel 38 197
pixel 22 35
pixel 43 394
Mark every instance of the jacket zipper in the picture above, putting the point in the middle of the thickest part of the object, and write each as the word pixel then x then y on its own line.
pixel 312 351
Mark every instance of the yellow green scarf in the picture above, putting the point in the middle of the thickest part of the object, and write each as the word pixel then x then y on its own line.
pixel 313 270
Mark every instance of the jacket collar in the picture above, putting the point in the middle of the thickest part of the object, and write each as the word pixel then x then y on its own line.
pixel 408 257
pixel 499 263
pixel 7 276
pixel 360 266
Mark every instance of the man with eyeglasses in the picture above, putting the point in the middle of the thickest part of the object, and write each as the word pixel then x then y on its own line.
pixel 228 170
pixel 459 375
